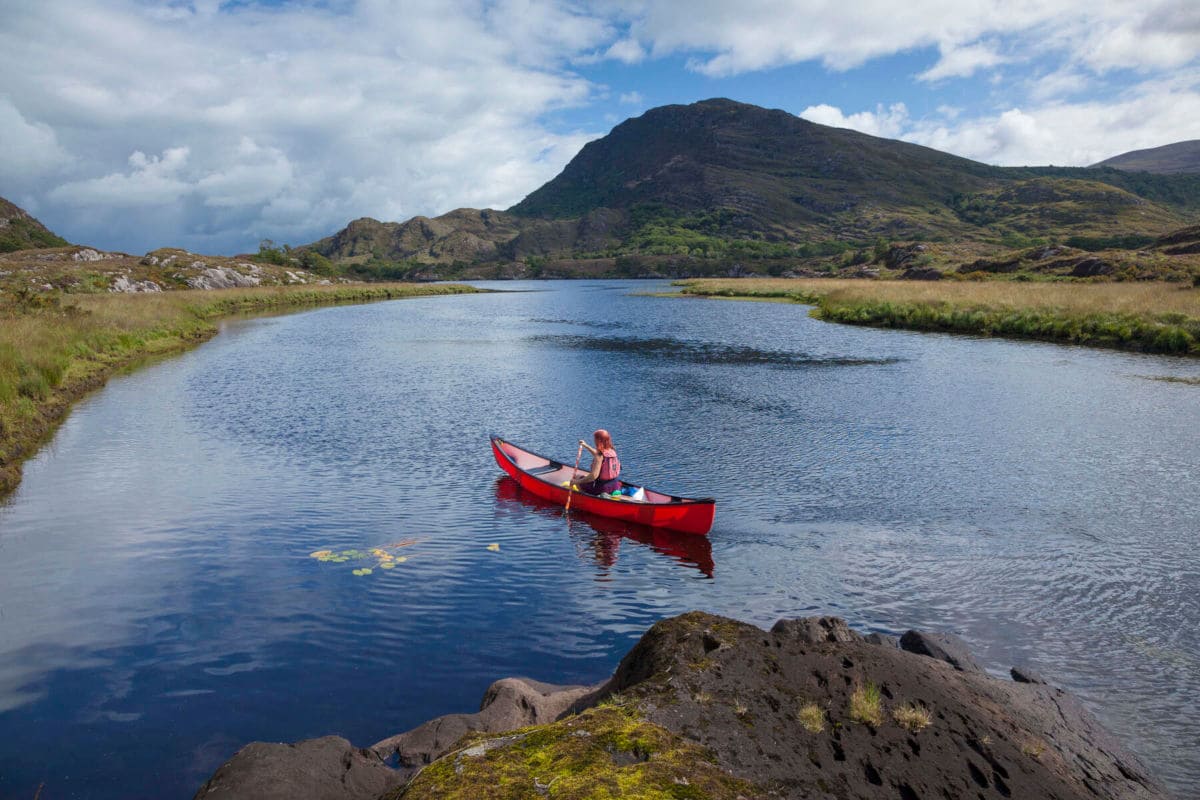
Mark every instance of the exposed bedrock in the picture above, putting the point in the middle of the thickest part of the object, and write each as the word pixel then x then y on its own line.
pixel 705 706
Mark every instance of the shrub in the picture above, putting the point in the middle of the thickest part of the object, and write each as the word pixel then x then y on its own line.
pixel 271 253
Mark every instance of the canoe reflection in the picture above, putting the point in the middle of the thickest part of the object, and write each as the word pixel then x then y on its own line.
pixel 606 534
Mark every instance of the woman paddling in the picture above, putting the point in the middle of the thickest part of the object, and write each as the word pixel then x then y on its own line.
pixel 602 479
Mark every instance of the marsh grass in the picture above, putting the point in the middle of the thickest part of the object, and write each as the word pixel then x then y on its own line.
pixel 866 705
pixel 911 717
pixel 1154 317
pixel 53 348
pixel 811 717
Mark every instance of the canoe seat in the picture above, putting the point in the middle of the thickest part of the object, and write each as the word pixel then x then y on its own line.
pixel 544 470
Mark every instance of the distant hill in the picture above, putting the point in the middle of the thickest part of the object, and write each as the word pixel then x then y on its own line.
pixel 20 231
pixel 721 184
pixel 1170 159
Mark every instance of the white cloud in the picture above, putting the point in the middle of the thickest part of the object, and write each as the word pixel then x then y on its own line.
pixel 962 62
pixel 1066 134
pixel 30 148
pixel 723 38
pixel 258 175
pixel 294 119
pixel 632 98
pixel 154 180
pixel 626 50
pixel 889 122
pixel 1059 84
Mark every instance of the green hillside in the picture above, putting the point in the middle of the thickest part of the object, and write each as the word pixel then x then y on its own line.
pixel 20 231
pixel 1177 158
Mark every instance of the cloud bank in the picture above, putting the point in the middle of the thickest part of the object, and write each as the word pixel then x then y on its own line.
pixel 211 125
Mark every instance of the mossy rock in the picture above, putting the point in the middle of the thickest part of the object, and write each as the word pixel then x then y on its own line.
pixel 606 752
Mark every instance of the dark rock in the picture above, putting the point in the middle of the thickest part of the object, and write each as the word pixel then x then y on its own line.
pixel 921 274
pixel 1025 675
pixel 329 768
pixel 772 709
pixel 995 266
pixel 1049 251
pixel 1092 267
pixel 901 256
pixel 882 639
pixel 942 646
pixel 1183 249
pixel 814 630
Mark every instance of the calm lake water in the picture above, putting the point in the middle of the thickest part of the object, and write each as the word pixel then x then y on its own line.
pixel 159 606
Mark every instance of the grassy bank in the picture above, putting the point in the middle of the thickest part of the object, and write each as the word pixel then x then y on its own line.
pixel 1151 317
pixel 56 348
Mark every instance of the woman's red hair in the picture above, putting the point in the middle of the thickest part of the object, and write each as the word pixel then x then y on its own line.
pixel 603 440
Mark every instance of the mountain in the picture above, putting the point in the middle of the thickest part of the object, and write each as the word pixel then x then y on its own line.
pixel 1170 159
pixel 720 184
pixel 770 169
pixel 20 231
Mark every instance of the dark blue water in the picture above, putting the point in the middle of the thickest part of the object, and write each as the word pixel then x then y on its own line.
pixel 159 606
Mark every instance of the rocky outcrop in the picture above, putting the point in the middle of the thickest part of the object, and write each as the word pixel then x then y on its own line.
pixel 508 704
pixel 122 283
pixel 329 768
pixel 719 708
pixel 221 278
pixel 942 646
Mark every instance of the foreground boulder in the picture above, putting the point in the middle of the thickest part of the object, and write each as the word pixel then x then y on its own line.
pixel 704 706
pixel 329 768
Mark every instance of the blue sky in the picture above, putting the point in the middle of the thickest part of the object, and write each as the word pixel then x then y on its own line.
pixel 134 124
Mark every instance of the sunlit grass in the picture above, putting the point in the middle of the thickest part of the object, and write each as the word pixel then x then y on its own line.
pixel 1156 317
pixel 866 705
pixel 911 717
pixel 812 718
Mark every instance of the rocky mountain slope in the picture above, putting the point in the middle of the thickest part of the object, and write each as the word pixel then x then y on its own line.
pixel 20 231
pixel 725 182
pixel 1169 159
pixel 707 707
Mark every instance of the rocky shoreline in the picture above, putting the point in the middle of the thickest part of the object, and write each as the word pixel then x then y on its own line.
pixel 708 707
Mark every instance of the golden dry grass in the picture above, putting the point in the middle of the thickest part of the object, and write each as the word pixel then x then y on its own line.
pixel 1114 298
pixel 912 718
pixel 1155 317
pixel 812 718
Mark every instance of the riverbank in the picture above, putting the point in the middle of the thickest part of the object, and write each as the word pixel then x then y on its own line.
pixel 54 348
pixel 1149 317
pixel 708 707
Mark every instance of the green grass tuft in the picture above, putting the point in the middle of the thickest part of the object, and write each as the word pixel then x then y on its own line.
pixel 866 705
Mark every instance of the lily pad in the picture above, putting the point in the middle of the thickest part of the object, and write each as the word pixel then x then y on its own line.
pixel 494 547
pixel 387 565
pixel 321 554
pixel 363 571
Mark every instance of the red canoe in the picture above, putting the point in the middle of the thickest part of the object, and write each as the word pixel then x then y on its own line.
pixel 545 477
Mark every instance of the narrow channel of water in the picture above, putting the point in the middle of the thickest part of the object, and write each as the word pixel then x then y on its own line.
pixel 159 606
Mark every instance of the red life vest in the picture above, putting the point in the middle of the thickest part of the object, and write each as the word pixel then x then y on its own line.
pixel 610 467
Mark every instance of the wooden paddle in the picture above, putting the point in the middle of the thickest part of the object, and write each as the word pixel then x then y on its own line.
pixel 571 481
